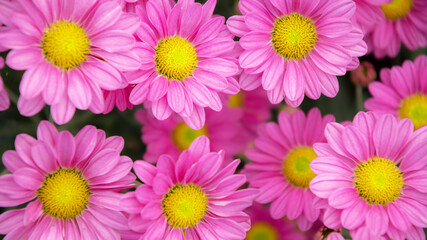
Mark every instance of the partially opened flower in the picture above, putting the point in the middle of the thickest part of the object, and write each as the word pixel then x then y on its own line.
pixel 172 136
pixel 191 197
pixel 372 176
pixel 296 47
pixel 71 51
pixel 186 60
pixel 71 184
pixel 280 166
pixel 263 227
pixel 402 91
pixel 4 97
pixel 405 22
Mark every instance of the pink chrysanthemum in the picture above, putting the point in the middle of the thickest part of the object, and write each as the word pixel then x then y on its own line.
pixel 280 167
pixel 402 91
pixel 255 107
pixel 405 22
pixel 71 51
pixel 117 98
pixel 373 175
pixel 189 198
pixel 172 136
pixel 368 13
pixel 71 185
pixel 266 228
pixel 4 97
pixel 185 53
pixel 296 47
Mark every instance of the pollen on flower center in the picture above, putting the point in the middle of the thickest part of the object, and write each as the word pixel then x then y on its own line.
pixel 397 9
pixel 236 100
pixel 65 45
pixel 175 58
pixel 415 108
pixel 183 135
pixel 296 166
pixel 64 194
pixel 293 36
pixel 184 205
pixel 378 181
pixel 262 231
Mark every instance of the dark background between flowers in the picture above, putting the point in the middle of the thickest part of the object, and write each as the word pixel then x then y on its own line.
pixel 123 124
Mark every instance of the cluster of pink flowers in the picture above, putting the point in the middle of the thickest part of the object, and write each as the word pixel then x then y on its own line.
pixel 205 99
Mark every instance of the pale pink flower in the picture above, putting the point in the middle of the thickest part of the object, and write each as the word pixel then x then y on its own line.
pixel 402 91
pixel 371 175
pixel 186 60
pixel 191 197
pixel 71 184
pixel 280 165
pixel 172 136
pixel 405 22
pixel 296 47
pixel 71 51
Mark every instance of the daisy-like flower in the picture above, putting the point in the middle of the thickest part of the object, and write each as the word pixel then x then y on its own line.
pixel 71 51
pixel 296 47
pixel 255 107
pixel 172 136
pixel 4 97
pixel 368 13
pixel 263 227
pixel 192 197
pixel 185 54
pixel 71 185
pixel 405 22
pixel 372 175
pixel 402 91
pixel 280 167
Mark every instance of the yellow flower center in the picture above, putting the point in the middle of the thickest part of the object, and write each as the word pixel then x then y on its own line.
pixel 262 231
pixel 64 194
pixel 184 205
pixel 293 36
pixel 397 9
pixel 65 44
pixel 176 58
pixel 415 108
pixel 236 100
pixel 378 181
pixel 183 135
pixel 296 166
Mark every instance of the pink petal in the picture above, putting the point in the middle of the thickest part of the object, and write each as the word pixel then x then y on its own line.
pixel 293 84
pixel 152 211
pixel 161 109
pixel 22 59
pixel 324 184
pixel 273 75
pixel 12 161
pixel 198 92
pixel 398 217
pixel 176 96
pixel 210 79
pixel 333 27
pixel 415 159
pixel 10 220
pixel 34 80
pixel 28 178
pixel 145 171
pixel 101 163
pixel 79 90
pixel 103 74
pixel 236 25
pixel 85 142
pixel 377 220
pixel 65 148
pixel 384 139
pixel 355 215
pixel 221 66
pixel 56 89
pixel 190 19
pixel 110 218
pixel 105 16
pixel 124 61
pixel 343 198
pixel 227 229
pixel 158 88
pixel 130 204
pixel 113 41
pixel 32 212
pixel 215 47
pixel 44 156
pixel 63 111
pixel 156 17
pixel 209 30
pixel 197 119
pixel 47 132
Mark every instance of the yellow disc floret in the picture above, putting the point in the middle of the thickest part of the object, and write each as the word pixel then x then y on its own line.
pixel 415 108
pixel 64 194
pixel 65 44
pixel 183 135
pixel 262 231
pixel 175 58
pixel 293 36
pixel 397 9
pixel 236 100
pixel 378 181
pixel 184 205
pixel 296 166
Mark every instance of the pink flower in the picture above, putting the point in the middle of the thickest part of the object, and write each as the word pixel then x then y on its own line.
pixel 186 60
pixel 71 184
pixel 71 51
pixel 117 98
pixel 280 167
pixel 364 74
pixel 255 107
pixel 189 198
pixel 405 22
pixel 296 47
pixel 172 136
pixel 368 13
pixel 4 98
pixel 372 176
pixel 263 225
pixel 402 92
